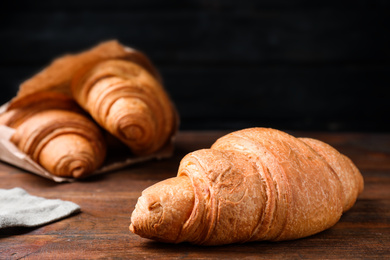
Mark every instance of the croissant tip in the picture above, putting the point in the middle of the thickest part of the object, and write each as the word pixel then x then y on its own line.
pixel 78 172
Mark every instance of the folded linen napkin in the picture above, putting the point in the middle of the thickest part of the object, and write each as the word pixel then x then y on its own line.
pixel 18 208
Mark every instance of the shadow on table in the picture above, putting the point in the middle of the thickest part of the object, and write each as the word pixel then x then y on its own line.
pixel 15 231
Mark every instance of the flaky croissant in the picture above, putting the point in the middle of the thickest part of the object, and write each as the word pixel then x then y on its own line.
pixel 128 101
pixel 52 129
pixel 252 185
pixel 119 87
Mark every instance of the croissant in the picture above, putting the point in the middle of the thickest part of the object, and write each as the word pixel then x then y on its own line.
pixel 119 87
pixel 128 101
pixel 251 185
pixel 52 129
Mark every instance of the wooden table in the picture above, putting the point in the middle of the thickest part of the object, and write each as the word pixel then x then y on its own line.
pixel 101 229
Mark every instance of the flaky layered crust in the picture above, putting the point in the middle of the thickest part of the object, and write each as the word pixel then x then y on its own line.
pixel 53 130
pixel 254 184
pixel 128 101
pixel 119 87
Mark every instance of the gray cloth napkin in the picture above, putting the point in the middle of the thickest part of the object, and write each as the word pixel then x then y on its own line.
pixel 18 208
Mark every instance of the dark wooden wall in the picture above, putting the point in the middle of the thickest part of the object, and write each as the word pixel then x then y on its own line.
pixel 288 64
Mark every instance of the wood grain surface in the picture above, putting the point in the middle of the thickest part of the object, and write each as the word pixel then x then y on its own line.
pixel 106 201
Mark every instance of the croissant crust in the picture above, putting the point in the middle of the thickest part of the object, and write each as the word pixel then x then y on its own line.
pixel 53 130
pixel 119 87
pixel 251 185
pixel 127 101
pixel 115 86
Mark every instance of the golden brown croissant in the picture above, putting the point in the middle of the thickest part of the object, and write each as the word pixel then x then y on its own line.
pixel 119 87
pixel 128 101
pixel 252 185
pixel 52 129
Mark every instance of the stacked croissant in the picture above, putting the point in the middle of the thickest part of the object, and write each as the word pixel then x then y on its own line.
pixel 251 185
pixel 64 116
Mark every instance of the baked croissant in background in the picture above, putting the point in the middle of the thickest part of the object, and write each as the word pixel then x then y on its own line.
pixel 252 185
pixel 53 130
pixel 128 101
pixel 119 87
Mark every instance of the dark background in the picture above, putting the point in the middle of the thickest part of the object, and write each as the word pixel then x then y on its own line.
pixel 293 65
